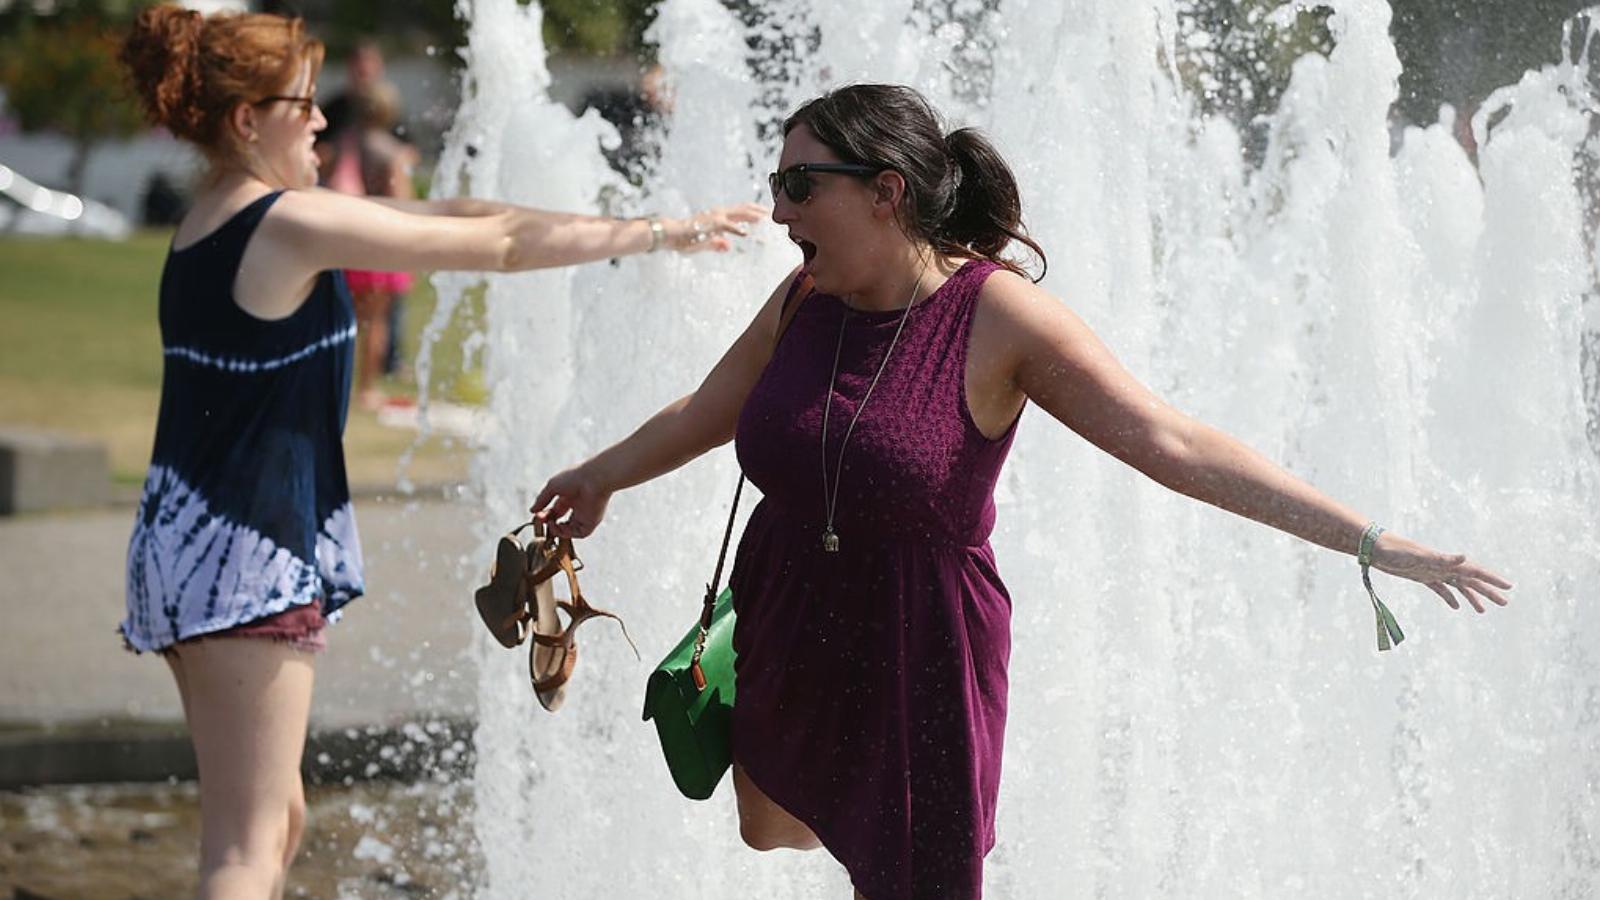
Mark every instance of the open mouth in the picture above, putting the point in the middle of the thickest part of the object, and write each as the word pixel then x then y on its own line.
pixel 807 249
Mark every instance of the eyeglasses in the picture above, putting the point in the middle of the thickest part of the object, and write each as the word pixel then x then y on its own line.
pixel 796 180
pixel 306 104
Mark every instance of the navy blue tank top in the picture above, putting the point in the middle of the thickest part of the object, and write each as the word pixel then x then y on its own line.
pixel 246 508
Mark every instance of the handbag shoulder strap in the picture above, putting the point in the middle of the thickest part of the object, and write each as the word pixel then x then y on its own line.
pixel 786 314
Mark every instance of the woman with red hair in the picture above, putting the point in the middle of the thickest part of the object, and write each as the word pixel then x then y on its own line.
pixel 245 528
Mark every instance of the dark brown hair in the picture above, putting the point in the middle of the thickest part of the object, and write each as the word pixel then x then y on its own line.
pixel 960 195
pixel 190 70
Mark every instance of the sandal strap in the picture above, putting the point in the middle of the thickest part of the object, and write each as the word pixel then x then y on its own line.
pixel 562 638
pixel 557 678
pixel 581 610
pixel 555 681
pixel 550 551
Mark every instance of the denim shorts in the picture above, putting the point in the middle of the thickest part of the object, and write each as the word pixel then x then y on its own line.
pixel 301 627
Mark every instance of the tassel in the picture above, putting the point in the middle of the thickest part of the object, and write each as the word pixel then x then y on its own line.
pixel 695 672
pixel 1389 633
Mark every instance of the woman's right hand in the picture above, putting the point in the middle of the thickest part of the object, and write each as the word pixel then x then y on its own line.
pixel 571 504
pixel 711 229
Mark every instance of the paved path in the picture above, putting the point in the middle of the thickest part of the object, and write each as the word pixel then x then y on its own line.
pixel 399 655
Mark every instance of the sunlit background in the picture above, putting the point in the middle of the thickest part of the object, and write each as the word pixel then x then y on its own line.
pixel 1360 236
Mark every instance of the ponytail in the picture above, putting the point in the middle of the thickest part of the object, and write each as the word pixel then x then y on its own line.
pixel 986 213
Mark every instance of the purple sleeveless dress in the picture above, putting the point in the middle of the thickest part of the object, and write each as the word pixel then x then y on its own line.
pixel 872 681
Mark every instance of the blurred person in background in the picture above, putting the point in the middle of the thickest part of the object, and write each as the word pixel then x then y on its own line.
pixel 161 205
pixel 383 165
pixel 361 153
pixel 363 69
pixel 640 114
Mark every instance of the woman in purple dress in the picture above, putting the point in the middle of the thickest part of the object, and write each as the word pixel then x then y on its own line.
pixel 873 630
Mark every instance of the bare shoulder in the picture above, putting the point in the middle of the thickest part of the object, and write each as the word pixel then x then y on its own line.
pixel 333 230
pixel 315 212
pixel 1012 305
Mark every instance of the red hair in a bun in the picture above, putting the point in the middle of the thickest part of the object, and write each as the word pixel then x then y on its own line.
pixel 192 70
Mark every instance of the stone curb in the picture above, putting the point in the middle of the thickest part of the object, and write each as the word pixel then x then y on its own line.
pixel 32 755
pixel 126 496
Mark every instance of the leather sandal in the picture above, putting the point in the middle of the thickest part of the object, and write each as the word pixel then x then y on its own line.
pixel 503 602
pixel 554 652
pixel 520 600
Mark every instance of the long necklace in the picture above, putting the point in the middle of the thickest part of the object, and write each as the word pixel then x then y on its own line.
pixel 830 538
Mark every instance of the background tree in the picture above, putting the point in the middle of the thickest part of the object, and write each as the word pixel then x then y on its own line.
pixel 598 27
pixel 61 74
pixel 1236 57
pixel 588 27
pixel 1458 51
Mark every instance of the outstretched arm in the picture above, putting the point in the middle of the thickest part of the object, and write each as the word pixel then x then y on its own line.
pixel 686 428
pixel 1058 363
pixel 321 229
pixel 311 231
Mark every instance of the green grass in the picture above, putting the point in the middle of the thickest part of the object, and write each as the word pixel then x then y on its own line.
pixel 81 313
pixel 81 353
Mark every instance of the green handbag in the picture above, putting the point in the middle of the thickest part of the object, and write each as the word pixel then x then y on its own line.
pixel 690 694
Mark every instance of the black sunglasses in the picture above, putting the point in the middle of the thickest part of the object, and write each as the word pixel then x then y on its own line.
pixel 306 104
pixel 796 180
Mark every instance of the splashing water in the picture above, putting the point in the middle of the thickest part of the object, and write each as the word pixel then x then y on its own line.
pixel 1196 708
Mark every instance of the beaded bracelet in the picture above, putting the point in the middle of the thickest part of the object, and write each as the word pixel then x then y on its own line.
pixel 1389 632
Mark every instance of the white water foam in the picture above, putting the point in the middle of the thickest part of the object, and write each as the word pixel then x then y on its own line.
pixel 1197 709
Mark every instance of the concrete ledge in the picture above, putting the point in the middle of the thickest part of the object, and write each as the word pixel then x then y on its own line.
pixel 104 752
pixel 126 496
pixel 43 470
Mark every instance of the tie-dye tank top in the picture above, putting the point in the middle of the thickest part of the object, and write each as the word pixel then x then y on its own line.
pixel 246 508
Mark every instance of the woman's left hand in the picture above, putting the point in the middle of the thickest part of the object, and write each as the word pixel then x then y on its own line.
pixel 572 504
pixel 1439 571
pixel 710 230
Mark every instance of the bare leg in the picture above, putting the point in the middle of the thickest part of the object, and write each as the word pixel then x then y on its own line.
pixel 763 824
pixel 177 675
pixel 247 702
pixel 372 323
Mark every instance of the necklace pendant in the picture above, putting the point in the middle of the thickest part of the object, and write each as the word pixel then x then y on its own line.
pixel 830 540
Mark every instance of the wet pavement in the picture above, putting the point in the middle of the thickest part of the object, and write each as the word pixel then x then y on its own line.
pixel 96 791
pixel 122 841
